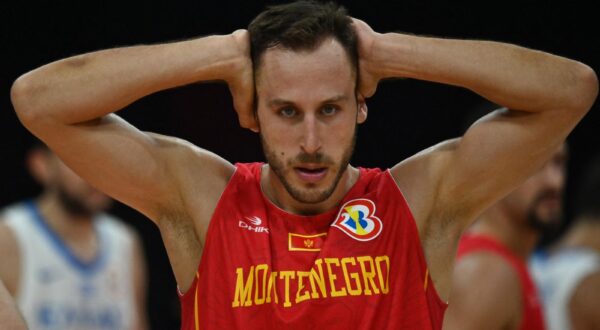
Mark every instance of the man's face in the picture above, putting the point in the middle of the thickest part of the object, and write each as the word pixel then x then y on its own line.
pixel 307 112
pixel 75 195
pixel 539 199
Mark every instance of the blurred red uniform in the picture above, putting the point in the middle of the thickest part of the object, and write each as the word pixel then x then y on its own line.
pixel 532 318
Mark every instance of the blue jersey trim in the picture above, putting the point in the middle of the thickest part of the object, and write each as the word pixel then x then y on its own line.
pixel 540 255
pixel 86 268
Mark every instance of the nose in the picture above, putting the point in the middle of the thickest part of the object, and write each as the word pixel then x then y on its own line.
pixel 554 176
pixel 311 140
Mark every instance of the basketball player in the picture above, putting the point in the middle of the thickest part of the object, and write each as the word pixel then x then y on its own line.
pixel 492 287
pixel 306 239
pixel 9 314
pixel 569 276
pixel 68 265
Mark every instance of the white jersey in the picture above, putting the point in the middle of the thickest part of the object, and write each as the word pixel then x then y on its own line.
pixel 557 276
pixel 59 291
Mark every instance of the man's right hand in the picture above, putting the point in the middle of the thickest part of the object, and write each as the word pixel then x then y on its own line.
pixel 241 82
pixel 369 77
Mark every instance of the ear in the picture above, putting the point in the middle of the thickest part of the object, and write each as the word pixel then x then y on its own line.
pixel 362 109
pixel 38 164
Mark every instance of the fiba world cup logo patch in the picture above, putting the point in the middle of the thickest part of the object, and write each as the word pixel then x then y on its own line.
pixel 357 219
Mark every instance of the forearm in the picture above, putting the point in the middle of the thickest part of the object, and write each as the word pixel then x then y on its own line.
pixel 91 85
pixel 508 75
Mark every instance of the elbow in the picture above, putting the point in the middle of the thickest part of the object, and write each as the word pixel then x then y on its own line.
pixel 587 88
pixel 22 95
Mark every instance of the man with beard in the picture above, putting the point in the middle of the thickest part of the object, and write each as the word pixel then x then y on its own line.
pixel 306 240
pixel 569 275
pixel 67 264
pixel 492 288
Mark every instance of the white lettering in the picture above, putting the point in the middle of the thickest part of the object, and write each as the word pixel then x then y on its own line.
pixel 256 229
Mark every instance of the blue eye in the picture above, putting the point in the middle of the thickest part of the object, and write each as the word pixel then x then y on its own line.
pixel 328 110
pixel 287 112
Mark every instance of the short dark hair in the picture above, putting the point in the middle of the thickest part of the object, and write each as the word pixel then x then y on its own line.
pixel 587 203
pixel 302 25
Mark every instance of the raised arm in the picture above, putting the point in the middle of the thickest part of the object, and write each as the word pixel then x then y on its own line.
pixel 68 104
pixel 546 96
pixel 448 185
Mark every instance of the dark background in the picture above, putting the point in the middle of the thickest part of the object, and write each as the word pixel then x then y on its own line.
pixel 405 115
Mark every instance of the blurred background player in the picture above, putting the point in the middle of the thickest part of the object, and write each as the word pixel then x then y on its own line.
pixel 9 315
pixel 68 265
pixel 492 287
pixel 569 275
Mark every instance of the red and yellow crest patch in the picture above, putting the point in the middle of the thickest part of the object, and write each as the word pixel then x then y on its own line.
pixel 357 219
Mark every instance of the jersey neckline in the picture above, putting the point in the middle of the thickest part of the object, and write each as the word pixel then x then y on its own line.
pixel 86 268
pixel 327 214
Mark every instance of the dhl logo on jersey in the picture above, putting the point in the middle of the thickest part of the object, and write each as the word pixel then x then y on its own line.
pixel 357 219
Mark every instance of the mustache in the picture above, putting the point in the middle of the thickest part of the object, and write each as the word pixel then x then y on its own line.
pixel 314 158
pixel 547 194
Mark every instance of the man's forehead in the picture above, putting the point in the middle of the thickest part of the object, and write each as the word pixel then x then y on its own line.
pixel 326 56
pixel 288 76
pixel 277 101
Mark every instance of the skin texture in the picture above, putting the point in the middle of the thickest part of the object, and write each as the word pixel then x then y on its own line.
pixel 308 130
pixel 485 294
pixel 538 201
pixel 486 291
pixel 68 204
pixel 9 315
pixel 583 307
pixel 69 105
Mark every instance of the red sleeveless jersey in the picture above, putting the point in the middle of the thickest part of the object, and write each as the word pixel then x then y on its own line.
pixel 358 266
pixel 532 310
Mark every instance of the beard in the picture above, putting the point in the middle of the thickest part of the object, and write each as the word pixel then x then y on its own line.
pixel 548 225
pixel 310 195
pixel 74 205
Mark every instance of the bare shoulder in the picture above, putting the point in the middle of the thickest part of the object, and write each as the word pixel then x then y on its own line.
pixel 201 177
pixel 7 236
pixel 9 315
pixel 487 269
pixel 8 242
pixel 11 258
pixel 197 180
pixel 200 174
pixel 485 294
pixel 584 303
pixel 185 151
pixel 418 177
